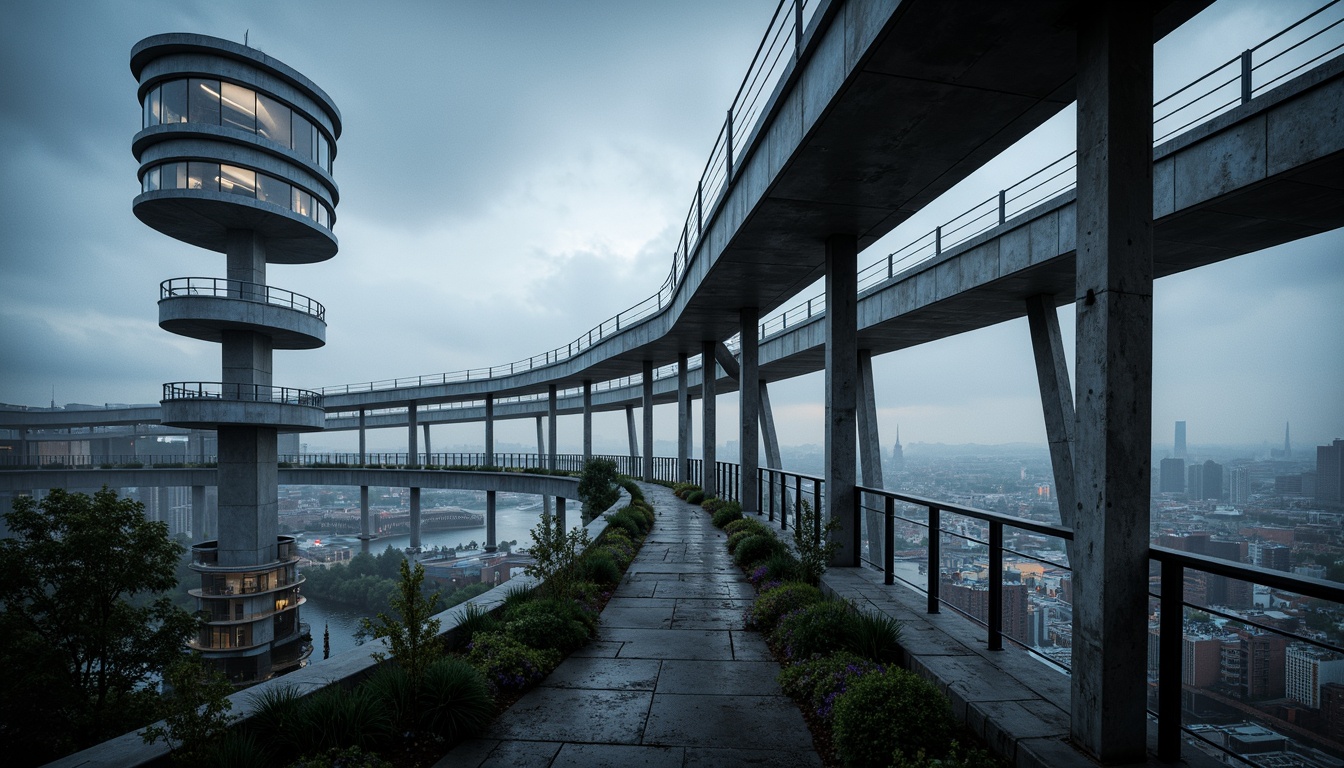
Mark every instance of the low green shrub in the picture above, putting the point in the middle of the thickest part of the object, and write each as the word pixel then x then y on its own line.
pixel 350 757
pixel 727 514
pixel 736 538
pixel 518 594
pixel 780 567
pixel 695 497
pixel 393 689
pixel 624 520
pixel 821 628
pixel 771 604
pixel 713 504
pixel 508 664
pixel 643 508
pixel 682 490
pixel 877 636
pixel 631 487
pixel 892 714
pixel 816 683
pixel 599 565
pixel 242 749
pixel 476 618
pixel 957 757
pixel 454 699
pixel 618 543
pixel 338 717
pixel 597 486
pixel 548 625
pixel 275 716
pixel 745 524
pixel 758 548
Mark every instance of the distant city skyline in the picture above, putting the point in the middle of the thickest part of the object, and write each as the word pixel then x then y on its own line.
pixel 531 186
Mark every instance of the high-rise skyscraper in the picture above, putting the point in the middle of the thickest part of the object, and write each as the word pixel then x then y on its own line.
pixel 1212 481
pixel 1330 472
pixel 1180 439
pixel 1287 442
pixel 1239 486
pixel 1194 481
pixel 1172 476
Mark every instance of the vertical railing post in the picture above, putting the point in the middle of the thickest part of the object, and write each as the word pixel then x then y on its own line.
pixel 935 559
pixel 797 502
pixel 889 541
pixel 728 176
pixel 770 485
pixel 891 264
pixel 816 511
pixel 1169 673
pixel 938 241
pixel 797 29
pixel 699 211
pixel 995 586
pixel 1003 205
pixel 1246 71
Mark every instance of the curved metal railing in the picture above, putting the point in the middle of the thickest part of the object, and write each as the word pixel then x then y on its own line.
pixel 1314 38
pixel 247 393
pixel 224 288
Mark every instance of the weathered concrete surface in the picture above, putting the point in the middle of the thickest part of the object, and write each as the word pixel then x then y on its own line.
pixel 672 680
pixel 842 368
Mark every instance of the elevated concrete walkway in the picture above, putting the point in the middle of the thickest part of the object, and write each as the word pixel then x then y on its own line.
pixel 672 679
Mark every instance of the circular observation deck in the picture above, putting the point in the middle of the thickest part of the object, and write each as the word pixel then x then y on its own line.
pixel 204 307
pixel 213 404
pixel 232 139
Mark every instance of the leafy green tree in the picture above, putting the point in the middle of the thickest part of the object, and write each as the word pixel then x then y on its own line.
pixel 412 637
pixel 813 552
pixel 597 487
pixel 196 711
pixel 555 554
pixel 79 633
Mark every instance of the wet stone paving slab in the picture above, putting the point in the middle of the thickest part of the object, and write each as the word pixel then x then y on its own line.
pixel 672 679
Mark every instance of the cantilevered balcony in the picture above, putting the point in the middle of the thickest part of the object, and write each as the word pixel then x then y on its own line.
pixel 205 307
pixel 211 404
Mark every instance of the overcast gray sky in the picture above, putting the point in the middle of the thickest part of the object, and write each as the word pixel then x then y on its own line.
pixel 512 173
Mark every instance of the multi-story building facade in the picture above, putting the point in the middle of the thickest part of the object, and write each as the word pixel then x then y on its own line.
pixel 1309 669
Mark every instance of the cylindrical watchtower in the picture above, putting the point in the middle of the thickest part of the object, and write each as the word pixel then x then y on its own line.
pixel 235 156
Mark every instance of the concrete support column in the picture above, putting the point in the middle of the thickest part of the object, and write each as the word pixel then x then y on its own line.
pixel 1114 296
pixel 490 545
pixel 489 430
pixel 560 513
pixel 648 420
pixel 551 407
pixel 1052 373
pixel 248 500
pixel 428 450
pixel 870 452
pixel 749 436
pixel 842 366
pixel 23 446
pixel 630 430
pixel 587 420
pixel 412 439
pixel 415 521
pixel 198 516
pixel 541 461
pixel 363 457
pixel 364 532
pixel 772 455
pixel 708 384
pixel 683 421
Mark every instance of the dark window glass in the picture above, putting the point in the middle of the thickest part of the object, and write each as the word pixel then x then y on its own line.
pixel 174 102
pixel 273 190
pixel 151 180
pixel 303 137
pixel 152 108
pixel 172 176
pixel 238 181
pixel 323 151
pixel 239 107
pixel 323 217
pixel 203 176
pixel 204 102
pixel 273 120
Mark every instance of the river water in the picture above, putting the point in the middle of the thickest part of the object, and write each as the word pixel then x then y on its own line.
pixel 342 620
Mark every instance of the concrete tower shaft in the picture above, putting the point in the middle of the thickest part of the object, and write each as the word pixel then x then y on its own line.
pixel 236 152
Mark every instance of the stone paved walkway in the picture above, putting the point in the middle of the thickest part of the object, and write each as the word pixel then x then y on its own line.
pixel 671 680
